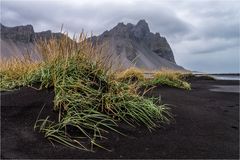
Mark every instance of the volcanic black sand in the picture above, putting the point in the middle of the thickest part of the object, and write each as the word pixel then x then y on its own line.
pixel 206 126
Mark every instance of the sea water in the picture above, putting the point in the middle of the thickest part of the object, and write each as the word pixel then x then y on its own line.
pixel 226 76
pixel 220 76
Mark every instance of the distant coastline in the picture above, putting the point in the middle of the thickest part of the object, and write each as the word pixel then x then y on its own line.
pixel 221 76
pixel 226 76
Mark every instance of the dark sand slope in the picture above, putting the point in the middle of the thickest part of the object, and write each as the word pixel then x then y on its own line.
pixel 206 127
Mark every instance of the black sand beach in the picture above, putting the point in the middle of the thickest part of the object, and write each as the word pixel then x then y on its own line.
pixel 206 126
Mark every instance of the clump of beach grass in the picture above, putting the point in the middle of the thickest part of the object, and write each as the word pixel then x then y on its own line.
pixel 206 77
pixel 88 96
pixel 131 75
pixel 186 76
pixel 169 78
pixel 17 72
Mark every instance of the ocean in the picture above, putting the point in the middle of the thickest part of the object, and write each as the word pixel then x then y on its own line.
pixel 220 76
pixel 226 76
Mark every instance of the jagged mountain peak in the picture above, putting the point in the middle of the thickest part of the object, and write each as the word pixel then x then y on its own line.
pixel 143 25
pixel 129 30
pixel 141 35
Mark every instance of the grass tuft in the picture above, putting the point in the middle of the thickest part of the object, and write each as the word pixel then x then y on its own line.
pixel 169 78
pixel 131 75
pixel 89 98
pixel 17 72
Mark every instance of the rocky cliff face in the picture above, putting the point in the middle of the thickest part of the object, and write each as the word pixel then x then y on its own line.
pixel 140 33
pixel 20 40
pixel 136 45
pixel 25 34
pixel 47 35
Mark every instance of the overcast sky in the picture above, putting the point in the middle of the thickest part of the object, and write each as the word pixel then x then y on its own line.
pixel 204 35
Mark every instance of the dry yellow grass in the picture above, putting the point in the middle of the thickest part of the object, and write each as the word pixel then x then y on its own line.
pixel 16 72
pixel 131 75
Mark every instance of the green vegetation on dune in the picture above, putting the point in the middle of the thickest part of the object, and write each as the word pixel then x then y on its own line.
pixel 172 79
pixel 164 77
pixel 88 95
pixel 16 73
pixel 131 75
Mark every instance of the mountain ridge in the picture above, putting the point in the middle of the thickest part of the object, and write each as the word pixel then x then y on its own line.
pixel 133 45
pixel 26 34
pixel 141 34
pixel 136 46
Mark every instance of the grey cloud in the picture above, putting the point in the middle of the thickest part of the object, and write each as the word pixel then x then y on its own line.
pixel 93 17
pixel 207 46
pixel 226 61
pixel 222 29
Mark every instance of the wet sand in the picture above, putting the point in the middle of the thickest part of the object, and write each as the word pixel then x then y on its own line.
pixel 206 126
pixel 226 88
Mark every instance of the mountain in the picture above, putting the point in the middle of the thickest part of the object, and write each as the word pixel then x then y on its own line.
pixel 19 40
pixel 25 34
pixel 136 45
pixel 128 44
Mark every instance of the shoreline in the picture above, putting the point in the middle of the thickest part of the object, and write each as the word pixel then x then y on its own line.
pixel 206 125
pixel 221 76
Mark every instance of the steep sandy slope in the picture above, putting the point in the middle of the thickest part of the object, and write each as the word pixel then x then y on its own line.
pixel 10 48
pixel 127 53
